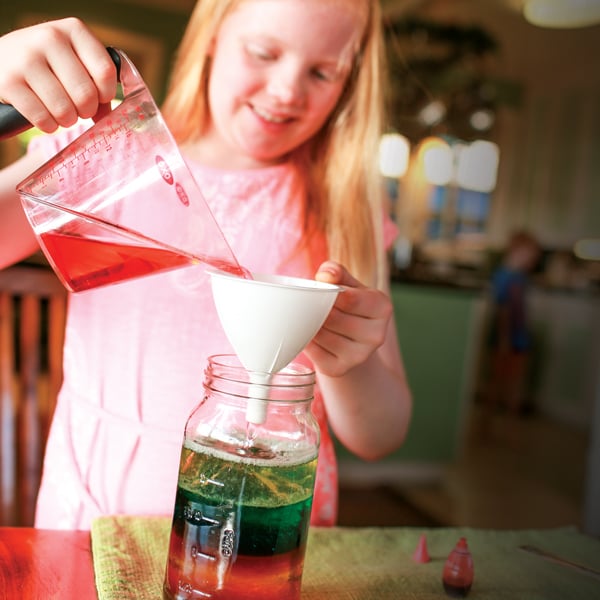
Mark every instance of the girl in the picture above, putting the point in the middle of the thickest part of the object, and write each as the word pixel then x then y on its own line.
pixel 276 105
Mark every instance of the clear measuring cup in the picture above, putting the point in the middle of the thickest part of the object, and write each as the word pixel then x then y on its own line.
pixel 119 201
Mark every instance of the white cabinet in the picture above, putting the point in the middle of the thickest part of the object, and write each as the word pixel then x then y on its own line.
pixel 567 330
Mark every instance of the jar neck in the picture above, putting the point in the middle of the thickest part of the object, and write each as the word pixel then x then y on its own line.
pixel 237 412
pixel 225 374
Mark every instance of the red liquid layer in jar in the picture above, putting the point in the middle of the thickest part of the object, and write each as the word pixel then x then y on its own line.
pixel 275 577
pixel 85 262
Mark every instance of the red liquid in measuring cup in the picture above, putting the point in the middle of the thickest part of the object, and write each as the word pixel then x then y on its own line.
pixel 85 263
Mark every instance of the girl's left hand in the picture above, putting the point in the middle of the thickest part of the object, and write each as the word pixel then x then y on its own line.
pixel 356 326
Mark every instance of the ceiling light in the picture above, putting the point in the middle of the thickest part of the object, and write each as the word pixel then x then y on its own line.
pixel 437 161
pixel 478 166
pixel 394 151
pixel 562 14
pixel 482 119
pixel 432 113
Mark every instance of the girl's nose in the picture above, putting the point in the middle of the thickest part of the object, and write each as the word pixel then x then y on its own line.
pixel 287 86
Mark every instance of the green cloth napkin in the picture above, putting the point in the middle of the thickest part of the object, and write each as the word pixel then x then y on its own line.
pixel 130 556
pixel 374 563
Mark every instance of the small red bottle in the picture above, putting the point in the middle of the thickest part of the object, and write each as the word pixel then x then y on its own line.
pixel 457 576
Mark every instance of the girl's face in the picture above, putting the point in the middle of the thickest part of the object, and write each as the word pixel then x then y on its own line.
pixel 278 70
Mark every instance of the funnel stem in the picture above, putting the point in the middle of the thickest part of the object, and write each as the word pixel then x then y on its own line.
pixel 258 395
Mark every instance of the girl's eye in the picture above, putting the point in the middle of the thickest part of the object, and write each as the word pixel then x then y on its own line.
pixel 259 52
pixel 324 74
pixel 318 74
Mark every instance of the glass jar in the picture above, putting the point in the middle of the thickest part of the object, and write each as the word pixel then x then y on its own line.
pixel 244 492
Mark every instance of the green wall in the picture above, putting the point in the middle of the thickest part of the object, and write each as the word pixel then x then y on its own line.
pixel 437 330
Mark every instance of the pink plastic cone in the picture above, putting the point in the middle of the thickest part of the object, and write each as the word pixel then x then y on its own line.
pixel 421 555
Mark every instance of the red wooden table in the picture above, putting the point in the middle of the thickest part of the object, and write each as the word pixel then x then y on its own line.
pixel 41 564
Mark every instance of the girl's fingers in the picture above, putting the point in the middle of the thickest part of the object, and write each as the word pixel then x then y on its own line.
pixel 85 76
pixel 32 108
pixel 356 299
pixel 61 72
pixel 100 68
pixel 47 90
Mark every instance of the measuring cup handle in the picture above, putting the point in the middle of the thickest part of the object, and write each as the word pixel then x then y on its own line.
pixel 116 58
pixel 12 122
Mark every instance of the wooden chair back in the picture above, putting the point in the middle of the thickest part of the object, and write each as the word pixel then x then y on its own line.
pixel 32 324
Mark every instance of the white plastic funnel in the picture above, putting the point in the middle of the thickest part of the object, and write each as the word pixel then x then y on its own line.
pixel 269 320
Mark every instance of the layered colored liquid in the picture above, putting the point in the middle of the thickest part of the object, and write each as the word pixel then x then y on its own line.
pixel 239 527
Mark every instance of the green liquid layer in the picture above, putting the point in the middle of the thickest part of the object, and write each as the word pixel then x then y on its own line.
pixel 266 505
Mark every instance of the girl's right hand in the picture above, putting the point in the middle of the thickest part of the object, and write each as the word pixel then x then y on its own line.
pixel 55 72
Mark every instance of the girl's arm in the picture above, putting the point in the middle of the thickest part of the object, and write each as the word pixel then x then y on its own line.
pixel 359 368
pixel 17 240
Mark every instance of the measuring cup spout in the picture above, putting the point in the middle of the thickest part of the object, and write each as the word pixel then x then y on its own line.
pixel 12 122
